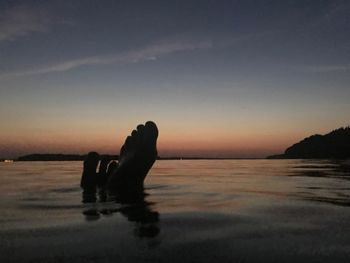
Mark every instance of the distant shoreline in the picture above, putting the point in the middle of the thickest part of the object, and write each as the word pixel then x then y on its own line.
pixel 334 145
pixel 77 157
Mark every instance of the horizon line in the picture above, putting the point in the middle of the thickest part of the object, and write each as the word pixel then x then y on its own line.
pixel 171 157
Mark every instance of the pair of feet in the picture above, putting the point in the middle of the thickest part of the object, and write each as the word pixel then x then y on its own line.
pixel 136 158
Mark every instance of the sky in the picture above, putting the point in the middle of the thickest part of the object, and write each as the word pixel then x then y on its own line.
pixel 220 78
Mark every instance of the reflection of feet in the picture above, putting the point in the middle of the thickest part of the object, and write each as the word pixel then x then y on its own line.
pixel 136 158
pixel 91 214
pixel 146 219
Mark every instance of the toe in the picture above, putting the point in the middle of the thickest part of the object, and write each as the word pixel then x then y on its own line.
pixel 128 143
pixel 151 131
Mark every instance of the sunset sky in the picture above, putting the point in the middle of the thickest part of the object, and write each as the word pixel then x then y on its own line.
pixel 220 78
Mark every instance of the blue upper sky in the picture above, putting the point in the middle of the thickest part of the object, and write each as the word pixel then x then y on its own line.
pixel 249 76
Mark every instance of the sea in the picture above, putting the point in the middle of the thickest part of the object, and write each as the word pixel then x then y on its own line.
pixel 193 211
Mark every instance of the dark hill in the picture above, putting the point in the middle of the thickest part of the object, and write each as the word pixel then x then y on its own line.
pixel 334 145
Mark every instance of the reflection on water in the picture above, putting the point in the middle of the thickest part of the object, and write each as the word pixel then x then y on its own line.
pixel 49 191
pixel 334 190
pixel 243 210
pixel 138 212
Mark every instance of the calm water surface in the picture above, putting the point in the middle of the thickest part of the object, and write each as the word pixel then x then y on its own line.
pixel 194 211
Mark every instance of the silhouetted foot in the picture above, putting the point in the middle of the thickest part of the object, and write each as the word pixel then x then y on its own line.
pixel 89 178
pixel 136 158
pixel 102 179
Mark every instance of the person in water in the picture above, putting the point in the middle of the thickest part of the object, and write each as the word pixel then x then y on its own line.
pixel 137 155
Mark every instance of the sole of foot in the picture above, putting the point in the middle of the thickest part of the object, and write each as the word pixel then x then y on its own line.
pixel 136 158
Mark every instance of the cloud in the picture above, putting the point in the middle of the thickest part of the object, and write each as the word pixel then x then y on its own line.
pixel 326 68
pixel 152 52
pixel 147 53
pixel 22 20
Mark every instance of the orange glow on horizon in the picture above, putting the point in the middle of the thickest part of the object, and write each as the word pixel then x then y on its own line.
pixel 186 143
pixel 207 139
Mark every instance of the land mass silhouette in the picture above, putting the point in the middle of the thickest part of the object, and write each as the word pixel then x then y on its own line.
pixel 77 157
pixel 60 157
pixel 333 145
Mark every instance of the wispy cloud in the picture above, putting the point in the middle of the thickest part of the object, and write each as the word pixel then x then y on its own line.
pixel 23 20
pixel 152 52
pixel 326 68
